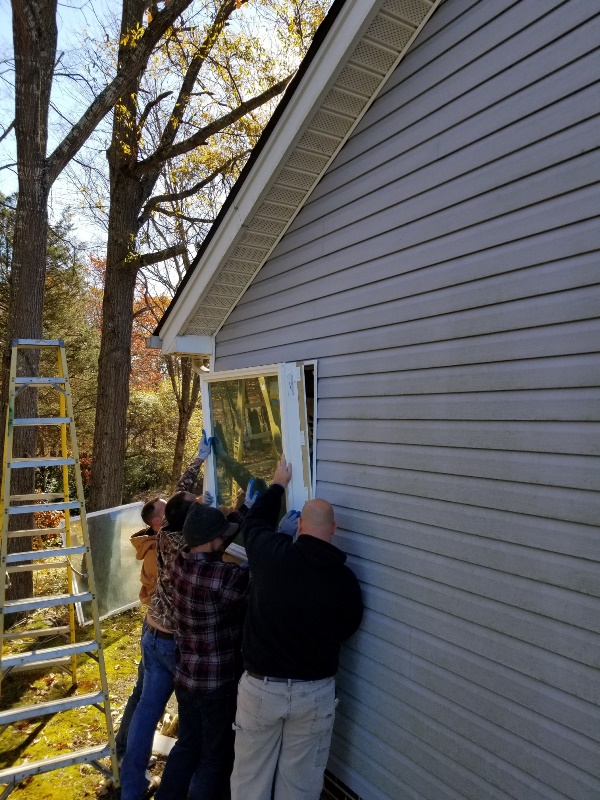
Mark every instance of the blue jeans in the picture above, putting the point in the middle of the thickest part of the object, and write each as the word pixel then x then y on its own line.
pixel 158 656
pixel 131 705
pixel 200 763
pixel 282 738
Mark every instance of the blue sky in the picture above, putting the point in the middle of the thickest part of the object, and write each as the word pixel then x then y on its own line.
pixel 72 18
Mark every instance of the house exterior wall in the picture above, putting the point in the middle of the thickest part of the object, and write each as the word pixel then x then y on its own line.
pixel 445 274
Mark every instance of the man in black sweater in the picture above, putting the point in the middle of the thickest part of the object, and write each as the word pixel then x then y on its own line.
pixel 304 601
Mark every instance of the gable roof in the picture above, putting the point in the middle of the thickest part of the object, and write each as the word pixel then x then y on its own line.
pixel 354 51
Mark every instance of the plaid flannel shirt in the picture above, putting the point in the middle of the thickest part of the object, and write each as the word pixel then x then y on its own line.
pixel 188 480
pixel 168 544
pixel 209 603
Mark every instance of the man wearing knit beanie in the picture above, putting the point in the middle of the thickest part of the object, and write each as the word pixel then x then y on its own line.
pixel 209 603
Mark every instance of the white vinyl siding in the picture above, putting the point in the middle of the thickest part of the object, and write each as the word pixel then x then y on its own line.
pixel 446 275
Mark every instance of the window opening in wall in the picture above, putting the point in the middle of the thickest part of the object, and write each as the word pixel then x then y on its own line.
pixel 256 415
pixel 310 406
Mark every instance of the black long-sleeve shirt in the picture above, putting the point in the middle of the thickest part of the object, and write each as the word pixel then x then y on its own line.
pixel 304 601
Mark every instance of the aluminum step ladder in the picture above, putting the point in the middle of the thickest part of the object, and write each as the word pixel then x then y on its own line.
pixel 64 656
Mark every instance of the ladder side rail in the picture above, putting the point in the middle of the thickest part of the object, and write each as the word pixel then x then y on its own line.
pixel 6 482
pixel 90 568
pixel 62 372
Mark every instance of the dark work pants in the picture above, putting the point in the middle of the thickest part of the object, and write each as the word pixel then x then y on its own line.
pixel 200 763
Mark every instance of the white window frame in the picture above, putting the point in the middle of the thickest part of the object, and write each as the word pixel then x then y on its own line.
pixel 292 435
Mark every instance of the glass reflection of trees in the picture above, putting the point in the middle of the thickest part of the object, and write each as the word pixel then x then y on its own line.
pixel 247 421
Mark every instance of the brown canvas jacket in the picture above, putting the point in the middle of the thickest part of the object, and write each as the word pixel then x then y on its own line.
pixel 144 542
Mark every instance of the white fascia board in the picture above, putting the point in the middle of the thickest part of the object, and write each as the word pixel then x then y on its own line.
pixel 244 372
pixel 190 345
pixel 350 24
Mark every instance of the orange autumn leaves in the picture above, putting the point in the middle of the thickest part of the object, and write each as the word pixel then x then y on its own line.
pixel 147 367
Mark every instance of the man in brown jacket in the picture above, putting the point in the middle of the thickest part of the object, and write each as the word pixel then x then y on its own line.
pixel 144 543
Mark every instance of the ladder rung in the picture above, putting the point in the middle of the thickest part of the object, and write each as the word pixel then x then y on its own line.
pixel 48 654
pixel 41 421
pixel 14 775
pixel 50 707
pixel 36 532
pixel 32 603
pixel 44 507
pixel 54 552
pixel 35 380
pixel 19 463
pixel 35 633
pixel 41 666
pixel 37 567
pixel 36 496
pixel 37 343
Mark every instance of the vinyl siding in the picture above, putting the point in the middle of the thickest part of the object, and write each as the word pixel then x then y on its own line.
pixel 445 274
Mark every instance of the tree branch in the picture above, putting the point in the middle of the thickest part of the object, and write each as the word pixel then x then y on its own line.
pixel 189 81
pixel 126 76
pixel 146 259
pixel 154 202
pixel 163 154
pixel 179 215
pixel 148 109
pixel 7 131
pixel 149 177
pixel 172 378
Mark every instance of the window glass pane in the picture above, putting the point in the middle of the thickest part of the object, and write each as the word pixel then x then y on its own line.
pixel 116 571
pixel 246 418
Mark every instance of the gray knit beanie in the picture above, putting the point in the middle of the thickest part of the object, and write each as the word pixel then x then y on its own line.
pixel 205 523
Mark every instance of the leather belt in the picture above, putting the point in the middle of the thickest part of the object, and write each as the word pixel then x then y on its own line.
pixel 265 678
pixel 158 633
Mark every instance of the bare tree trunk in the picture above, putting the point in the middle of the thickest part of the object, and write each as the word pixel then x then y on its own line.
pixel 114 367
pixel 35 35
pixel 187 397
pixel 183 424
pixel 114 363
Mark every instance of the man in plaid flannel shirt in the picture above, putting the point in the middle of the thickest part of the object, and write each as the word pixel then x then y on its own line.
pixel 209 602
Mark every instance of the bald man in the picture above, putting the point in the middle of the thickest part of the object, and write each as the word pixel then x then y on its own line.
pixel 304 601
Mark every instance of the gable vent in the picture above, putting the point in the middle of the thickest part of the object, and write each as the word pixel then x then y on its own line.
pixel 375 56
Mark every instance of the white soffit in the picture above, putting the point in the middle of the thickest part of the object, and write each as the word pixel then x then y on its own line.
pixel 363 47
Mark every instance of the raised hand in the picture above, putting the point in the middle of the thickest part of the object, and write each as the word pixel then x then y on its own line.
pixel 289 523
pixel 204 446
